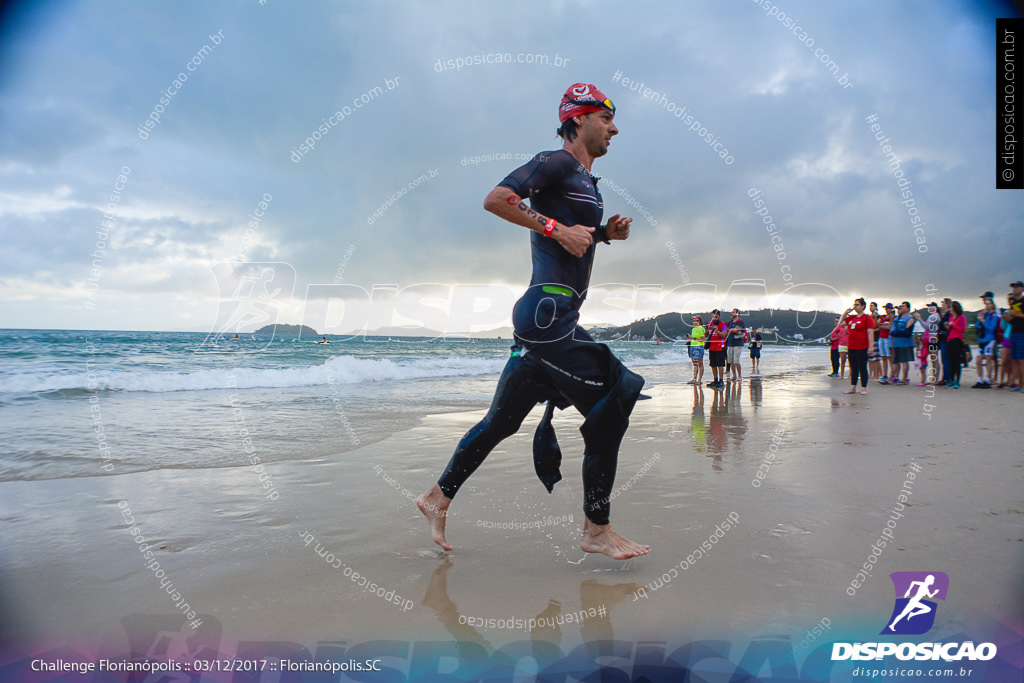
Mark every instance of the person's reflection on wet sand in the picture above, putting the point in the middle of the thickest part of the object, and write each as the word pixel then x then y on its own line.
pixel 594 617
pixel 697 427
pixel 755 392
pixel 726 424
pixel 447 612
pixel 602 597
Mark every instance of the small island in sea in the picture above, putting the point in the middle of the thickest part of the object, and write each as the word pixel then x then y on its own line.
pixel 287 329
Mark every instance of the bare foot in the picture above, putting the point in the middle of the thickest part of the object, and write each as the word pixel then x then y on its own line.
pixel 851 391
pixel 434 506
pixel 603 539
pixel 864 392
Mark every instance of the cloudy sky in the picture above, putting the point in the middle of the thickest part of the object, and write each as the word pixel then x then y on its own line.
pixel 785 89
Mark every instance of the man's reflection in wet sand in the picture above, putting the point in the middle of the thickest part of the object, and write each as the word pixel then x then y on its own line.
pixel 755 392
pixel 594 595
pixel 727 426
pixel 437 599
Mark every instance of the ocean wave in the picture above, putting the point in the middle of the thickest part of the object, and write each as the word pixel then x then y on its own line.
pixel 341 370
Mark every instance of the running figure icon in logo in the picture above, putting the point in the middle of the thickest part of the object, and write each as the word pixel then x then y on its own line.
pixel 921 584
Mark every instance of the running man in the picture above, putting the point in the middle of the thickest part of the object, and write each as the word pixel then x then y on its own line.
pixel 915 607
pixel 554 359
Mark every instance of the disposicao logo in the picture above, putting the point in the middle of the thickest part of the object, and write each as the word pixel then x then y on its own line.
pixel 913 614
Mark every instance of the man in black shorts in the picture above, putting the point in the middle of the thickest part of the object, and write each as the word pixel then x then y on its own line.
pixel 716 332
pixel 734 341
pixel 755 351
pixel 554 359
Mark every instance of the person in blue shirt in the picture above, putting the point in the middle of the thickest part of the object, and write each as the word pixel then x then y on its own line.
pixel 986 328
pixel 734 342
pixel 902 334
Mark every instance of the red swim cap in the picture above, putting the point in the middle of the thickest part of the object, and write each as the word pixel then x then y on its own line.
pixel 582 98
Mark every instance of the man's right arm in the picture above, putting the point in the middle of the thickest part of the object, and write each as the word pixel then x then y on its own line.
pixel 505 203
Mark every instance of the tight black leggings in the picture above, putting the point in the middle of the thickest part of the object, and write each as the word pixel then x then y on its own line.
pixel 858 366
pixel 583 372
pixel 955 358
pixel 835 361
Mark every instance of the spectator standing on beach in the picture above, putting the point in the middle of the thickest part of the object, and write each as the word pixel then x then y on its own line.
pixel 755 352
pixel 874 358
pixel 955 344
pixel 931 324
pixel 716 349
pixel 1005 362
pixel 1015 316
pixel 860 343
pixel 696 350
pixel 988 329
pixel 835 336
pixel 922 358
pixel 884 342
pixel 945 313
pixel 843 349
pixel 734 343
pixel 902 334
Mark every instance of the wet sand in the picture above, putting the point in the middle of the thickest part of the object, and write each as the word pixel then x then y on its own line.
pixel 73 576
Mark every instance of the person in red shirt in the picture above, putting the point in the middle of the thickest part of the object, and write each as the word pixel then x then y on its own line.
pixel 884 342
pixel 834 351
pixel 859 342
pixel 717 331
pixel 838 335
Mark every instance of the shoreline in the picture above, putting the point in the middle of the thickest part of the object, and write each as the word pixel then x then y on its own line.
pixel 263 575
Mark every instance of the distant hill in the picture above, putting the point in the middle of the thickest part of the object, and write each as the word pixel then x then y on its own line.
pixel 287 329
pixel 811 325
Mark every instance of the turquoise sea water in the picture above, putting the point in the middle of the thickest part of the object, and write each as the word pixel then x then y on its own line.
pixel 94 403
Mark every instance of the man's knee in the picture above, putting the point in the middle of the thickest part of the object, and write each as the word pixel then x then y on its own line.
pixel 501 422
pixel 504 426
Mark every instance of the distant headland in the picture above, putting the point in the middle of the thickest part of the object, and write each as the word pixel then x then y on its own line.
pixel 287 329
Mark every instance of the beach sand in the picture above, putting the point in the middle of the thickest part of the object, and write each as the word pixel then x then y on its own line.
pixel 72 575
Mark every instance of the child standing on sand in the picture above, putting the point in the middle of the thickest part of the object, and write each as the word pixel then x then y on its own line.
pixel 922 358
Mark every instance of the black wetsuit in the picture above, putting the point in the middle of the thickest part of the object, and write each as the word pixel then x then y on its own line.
pixel 559 362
